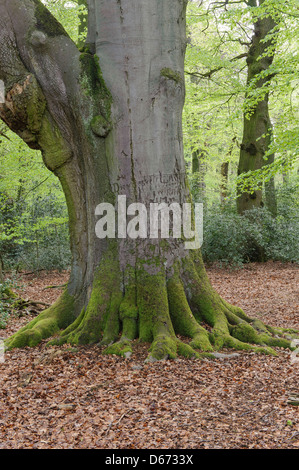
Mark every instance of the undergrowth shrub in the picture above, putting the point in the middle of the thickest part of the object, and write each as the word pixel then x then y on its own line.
pixel 233 239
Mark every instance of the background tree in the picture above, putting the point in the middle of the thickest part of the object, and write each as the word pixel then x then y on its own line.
pixel 257 127
pixel 219 37
pixel 109 123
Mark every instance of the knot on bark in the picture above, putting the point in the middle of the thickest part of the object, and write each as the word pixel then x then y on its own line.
pixel 100 126
pixel 249 148
pixel 38 39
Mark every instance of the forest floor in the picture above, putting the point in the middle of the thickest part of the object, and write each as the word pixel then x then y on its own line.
pixel 66 397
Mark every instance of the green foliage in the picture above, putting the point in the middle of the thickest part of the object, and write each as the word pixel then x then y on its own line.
pixel 33 214
pixel 70 14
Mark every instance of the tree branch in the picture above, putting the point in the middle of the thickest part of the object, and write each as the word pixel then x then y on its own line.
pixel 209 74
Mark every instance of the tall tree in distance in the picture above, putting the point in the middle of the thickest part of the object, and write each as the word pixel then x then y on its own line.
pixel 108 120
pixel 257 126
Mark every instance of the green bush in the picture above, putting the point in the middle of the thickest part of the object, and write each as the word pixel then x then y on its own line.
pixel 233 239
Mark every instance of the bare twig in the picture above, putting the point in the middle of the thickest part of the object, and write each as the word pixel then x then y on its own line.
pixel 117 422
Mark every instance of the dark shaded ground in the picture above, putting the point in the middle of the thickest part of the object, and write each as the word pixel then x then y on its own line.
pixel 64 397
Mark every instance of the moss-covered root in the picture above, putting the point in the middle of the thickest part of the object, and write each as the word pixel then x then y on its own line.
pixel 128 313
pixel 231 327
pixel 128 316
pixel 46 324
pixel 123 348
pixel 148 304
pixel 155 323
pixel 182 317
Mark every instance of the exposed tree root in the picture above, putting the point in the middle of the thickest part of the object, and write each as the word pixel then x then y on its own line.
pixel 46 324
pixel 154 308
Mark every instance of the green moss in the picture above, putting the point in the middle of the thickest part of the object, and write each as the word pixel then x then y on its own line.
pixel 207 356
pixel 65 333
pixel 246 333
pixel 112 324
pixel 54 148
pixel 279 343
pixel 152 304
pixel 36 105
pixel 201 340
pixel 203 300
pixel 100 319
pixel 121 348
pixel 182 318
pixel 86 48
pixel 163 347
pixel 237 311
pixel 268 351
pixel 186 350
pixel 46 22
pixel 128 313
pixel 8 293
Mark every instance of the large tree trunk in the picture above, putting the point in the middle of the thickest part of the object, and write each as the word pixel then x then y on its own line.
pixel 257 127
pixel 108 125
pixel 224 182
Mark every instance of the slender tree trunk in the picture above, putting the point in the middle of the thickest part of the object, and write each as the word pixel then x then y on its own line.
pixel 224 173
pixel 257 128
pixel 198 171
pixel 109 125
pixel 224 182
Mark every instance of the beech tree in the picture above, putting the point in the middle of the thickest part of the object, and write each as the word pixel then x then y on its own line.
pixel 107 119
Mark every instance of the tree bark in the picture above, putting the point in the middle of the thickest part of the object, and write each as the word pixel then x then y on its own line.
pixel 109 124
pixel 257 128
